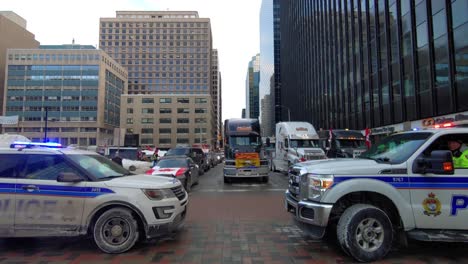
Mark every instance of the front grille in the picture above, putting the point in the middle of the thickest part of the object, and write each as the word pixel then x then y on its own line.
pixel 294 183
pixel 179 192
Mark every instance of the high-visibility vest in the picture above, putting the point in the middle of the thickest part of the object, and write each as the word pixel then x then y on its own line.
pixel 461 161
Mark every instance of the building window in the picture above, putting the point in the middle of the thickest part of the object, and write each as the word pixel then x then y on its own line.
pixel 147 100
pixel 129 131
pixel 165 110
pixel 201 100
pixel 182 120
pixel 182 130
pixel 147 111
pixel 147 120
pixel 183 100
pixel 165 100
pixel 129 120
pixel 147 131
pixel 129 100
pixel 200 110
pixel 165 131
pixel 183 111
pixel 182 140
pixel 165 121
pixel 203 130
pixel 129 110
pixel 147 141
pixel 200 120
pixel 165 141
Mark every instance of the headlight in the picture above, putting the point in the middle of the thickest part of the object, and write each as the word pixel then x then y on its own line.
pixel 158 194
pixel 318 185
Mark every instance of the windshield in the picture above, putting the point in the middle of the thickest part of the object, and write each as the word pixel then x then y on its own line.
pixel 245 141
pixel 350 143
pixel 172 163
pixel 303 143
pixel 177 152
pixel 397 148
pixel 98 166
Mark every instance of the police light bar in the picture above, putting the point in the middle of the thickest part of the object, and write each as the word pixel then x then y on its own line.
pixel 19 144
pixel 444 125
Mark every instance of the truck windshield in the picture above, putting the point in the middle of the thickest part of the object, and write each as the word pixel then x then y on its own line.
pixel 350 143
pixel 245 141
pixel 303 143
pixel 397 148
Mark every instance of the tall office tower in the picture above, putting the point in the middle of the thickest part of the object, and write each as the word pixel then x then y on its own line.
pixel 386 65
pixel 13 34
pixel 216 97
pixel 65 93
pixel 267 69
pixel 168 56
pixel 252 88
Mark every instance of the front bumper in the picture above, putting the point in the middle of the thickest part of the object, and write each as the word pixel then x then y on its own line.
pixel 309 213
pixel 234 172
pixel 154 231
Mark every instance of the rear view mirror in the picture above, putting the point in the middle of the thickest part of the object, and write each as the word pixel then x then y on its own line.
pixel 439 162
pixel 68 177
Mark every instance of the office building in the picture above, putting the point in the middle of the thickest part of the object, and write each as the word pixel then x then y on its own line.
pixel 14 35
pixel 252 88
pixel 387 65
pixel 64 93
pixel 216 98
pixel 267 69
pixel 165 53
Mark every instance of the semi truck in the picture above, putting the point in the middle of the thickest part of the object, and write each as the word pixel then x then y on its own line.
pixel 295 142
pixel 342 143
pixel 243 150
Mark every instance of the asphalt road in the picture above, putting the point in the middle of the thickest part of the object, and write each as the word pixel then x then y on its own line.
pixel 241 222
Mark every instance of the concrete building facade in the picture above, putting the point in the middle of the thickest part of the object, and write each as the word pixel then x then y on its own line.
pixel 252 84
pixel 165 53
pixel 65 93
pixel 13 26
pixel 166 120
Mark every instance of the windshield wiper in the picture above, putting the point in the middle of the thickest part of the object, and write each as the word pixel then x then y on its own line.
pixel 383 159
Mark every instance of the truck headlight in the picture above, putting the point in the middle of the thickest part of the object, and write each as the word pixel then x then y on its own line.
pixel 158 194
pixel 318 185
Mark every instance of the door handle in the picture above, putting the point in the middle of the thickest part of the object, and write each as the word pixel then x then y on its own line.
pixel 30 188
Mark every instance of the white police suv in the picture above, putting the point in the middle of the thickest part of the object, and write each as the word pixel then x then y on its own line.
pixel 46 190
pixel 404 186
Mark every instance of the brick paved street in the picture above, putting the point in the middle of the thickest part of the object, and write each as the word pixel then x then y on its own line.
pixel 239 223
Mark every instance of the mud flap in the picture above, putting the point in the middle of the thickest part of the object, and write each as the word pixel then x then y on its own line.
pixel 317 232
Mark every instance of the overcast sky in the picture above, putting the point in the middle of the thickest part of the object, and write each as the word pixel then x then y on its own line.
pixel 235 29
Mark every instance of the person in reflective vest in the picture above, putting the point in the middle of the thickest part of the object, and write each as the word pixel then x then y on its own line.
pixel 460 158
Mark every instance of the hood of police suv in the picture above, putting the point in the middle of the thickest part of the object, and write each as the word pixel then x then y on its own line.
pixel 143 181
pixel 342 166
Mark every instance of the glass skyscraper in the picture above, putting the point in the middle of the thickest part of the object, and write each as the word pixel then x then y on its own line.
pixel 378 64
pixel 252 88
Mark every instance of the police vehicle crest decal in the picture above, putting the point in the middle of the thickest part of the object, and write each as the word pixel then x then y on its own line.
pixel 432 205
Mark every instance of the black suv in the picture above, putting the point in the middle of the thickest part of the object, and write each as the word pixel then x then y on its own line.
pixel 196 154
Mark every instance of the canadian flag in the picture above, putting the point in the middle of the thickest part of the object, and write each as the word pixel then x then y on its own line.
pixel 367 134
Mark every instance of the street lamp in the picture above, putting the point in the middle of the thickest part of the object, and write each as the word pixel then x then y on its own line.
pixel 289 111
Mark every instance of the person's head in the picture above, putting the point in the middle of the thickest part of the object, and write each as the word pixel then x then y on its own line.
pixel 454 144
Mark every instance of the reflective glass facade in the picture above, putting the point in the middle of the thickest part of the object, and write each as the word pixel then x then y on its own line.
pixel 358 63
pixel 267 69
pixel 252 88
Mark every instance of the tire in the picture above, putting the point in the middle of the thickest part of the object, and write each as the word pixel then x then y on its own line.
pixel 188 184
pixel 121 221
pixel 365 232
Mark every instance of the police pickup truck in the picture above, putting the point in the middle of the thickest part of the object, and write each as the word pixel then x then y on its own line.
pixel 404 186
pixel 46 190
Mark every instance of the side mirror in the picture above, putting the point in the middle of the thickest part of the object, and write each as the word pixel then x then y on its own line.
pixel 439 162
pixel 68 177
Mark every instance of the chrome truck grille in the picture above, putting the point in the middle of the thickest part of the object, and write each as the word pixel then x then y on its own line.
pixel 313 154
pixel 294 183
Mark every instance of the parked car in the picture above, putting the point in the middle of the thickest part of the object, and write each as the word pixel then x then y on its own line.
pixel 181 167
pixel 197 155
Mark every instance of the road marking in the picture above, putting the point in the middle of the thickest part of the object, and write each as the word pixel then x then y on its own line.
pixel 241 190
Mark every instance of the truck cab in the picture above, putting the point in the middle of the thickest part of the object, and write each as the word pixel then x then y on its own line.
pixel 295 142
pixel 407 185
pixel 342 143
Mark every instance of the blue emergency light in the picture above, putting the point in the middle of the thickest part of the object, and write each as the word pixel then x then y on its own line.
pixel 19 144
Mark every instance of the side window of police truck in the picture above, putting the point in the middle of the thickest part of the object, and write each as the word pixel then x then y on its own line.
pixel 457 144
pixel 11 165
pixel 46 167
